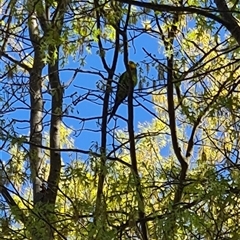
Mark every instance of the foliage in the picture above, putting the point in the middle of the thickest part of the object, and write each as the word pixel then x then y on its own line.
pixel 168 169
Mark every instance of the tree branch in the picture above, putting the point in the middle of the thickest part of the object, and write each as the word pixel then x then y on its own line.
pixel 140 198
pixel 169 8
pixel 227 20
pixel 19 63
pixel 57 103
pixel 227 16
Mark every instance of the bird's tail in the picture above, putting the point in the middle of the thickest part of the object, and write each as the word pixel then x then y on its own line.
pixel 114 109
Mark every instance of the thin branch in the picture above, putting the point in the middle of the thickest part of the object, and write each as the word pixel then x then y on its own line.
pixel 19 63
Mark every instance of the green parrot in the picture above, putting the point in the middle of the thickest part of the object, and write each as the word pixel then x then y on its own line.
pixel 123 87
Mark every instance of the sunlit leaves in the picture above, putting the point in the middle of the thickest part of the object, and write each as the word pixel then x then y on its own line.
pixel 95 34
pixel 205 79
pixel 109 33
pixel 14 168
pixel 146 24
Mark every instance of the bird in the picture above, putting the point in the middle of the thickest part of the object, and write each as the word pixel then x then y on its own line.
pixel 124 86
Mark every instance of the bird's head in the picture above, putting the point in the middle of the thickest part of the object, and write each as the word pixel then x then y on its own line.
pixel 132 65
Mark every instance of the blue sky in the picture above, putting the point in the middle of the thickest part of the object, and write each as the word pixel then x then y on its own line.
pixel 86 108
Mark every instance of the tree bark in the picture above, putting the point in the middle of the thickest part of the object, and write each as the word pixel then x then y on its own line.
pixel 227 16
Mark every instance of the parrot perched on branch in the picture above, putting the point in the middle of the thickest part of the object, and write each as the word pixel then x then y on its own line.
pixel 124 87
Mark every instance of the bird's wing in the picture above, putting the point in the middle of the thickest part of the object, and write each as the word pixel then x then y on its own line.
pixel 122 88
pixel 121 94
